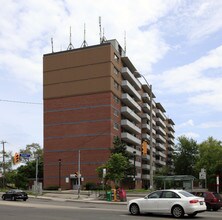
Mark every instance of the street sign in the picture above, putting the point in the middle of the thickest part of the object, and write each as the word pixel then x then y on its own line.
pixel 25 155
pixel 202 175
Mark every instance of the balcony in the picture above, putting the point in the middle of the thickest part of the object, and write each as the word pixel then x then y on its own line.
pixel 170 127
pixel 146 97
pixel 161 162
pixel 129 138
pixel 145 136
pixel 146 107
pixel 170 140
pixel 132 128
pixel 160 114
pixel 160 147
pixel 161 154
pixel 127 100
pixel 131 78
pixel 130 114
pixel 160 131
pixel 131 150
pixel 160 123
pixel 146 166
pixel 127 87
pixel 170 134
pixel 145 116
pixel 160 138
pixel 146 127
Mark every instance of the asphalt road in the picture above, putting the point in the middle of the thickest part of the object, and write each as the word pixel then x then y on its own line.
pixel 39 209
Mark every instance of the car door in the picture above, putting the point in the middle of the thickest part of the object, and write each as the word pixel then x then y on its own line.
pixel 168 198
pixel 149 204
pixel 8 194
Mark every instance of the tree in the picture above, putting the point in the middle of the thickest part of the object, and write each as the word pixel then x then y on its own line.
pixel 210 154
pixel 120 147
pixel 118 166
pixel 185 156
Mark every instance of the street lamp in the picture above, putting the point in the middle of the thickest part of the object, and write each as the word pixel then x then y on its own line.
pixel 60 161
pixel 151 132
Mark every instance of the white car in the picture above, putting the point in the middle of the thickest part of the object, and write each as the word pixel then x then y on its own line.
pixel 175 202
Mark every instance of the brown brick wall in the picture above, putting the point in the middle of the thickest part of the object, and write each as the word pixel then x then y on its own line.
pixel 72 123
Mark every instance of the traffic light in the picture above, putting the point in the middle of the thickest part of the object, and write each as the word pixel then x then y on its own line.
pixel 76 174
pixel 144 148
pixel 16 158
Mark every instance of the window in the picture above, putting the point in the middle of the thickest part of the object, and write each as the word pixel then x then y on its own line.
pixel 116 112
pixel 116 71
pixel 116 99
pixel 116 58
pixel 155 195
pixel 116 126
pixel 116 85
pixel 169 194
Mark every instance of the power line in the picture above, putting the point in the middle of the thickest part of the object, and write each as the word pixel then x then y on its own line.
pixel 21 102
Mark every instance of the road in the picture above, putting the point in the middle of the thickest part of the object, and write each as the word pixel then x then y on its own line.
pixel 35 209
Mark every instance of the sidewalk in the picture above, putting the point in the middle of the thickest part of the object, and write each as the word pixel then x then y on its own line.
pixel 85 196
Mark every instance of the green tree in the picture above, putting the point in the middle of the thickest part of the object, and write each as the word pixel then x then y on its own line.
pixel 185 156
pixel 116 166
pixel 120 147
pixel 210 158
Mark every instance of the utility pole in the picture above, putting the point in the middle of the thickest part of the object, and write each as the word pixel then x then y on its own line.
pixel 151 132
pixel 36 175
pixel 3 163
pixel 79 185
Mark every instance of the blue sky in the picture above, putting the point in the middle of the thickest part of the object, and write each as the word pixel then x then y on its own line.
pixel 175 44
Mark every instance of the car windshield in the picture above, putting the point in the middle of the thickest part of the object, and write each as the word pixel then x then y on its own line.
pixel 186 194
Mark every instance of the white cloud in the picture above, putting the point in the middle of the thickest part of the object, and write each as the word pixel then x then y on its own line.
pixel 190 135
pixel 211 124
pixel 188 123
pixel 196 80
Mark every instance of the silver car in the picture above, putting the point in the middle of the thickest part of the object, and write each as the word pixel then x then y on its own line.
pixel 175 202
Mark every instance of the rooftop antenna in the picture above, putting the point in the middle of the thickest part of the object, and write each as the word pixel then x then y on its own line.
pixel 100 29
pixel 103 38
pixel 70 47
pixel 52 44
pixel 84 44
pixel 125 42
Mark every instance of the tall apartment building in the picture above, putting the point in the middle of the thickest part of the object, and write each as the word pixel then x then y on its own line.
pixel 91 95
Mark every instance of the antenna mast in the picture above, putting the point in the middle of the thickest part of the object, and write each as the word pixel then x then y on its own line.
pixel 52 44
pixel 84 44
pixel 100 29
pixel 125 42
pixel 70 47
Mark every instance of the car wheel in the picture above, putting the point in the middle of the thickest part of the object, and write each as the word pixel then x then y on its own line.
pixel 3 197
pixel 215 209
pixel 208 207
pixel 134 209
pixel 24 199
pixel 177 211
pixel 192 215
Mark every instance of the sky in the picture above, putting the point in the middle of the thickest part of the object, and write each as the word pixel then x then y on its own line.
pixel 175 44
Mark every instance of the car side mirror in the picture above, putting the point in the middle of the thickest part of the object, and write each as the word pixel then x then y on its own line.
pixel 146 197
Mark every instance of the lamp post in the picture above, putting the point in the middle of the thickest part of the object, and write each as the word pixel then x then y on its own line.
pixel 151 132
pixel 134 174
pixel 60 161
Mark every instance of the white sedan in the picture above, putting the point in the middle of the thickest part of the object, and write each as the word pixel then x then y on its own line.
pixel 175 202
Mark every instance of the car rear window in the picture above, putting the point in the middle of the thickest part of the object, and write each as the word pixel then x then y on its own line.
pixel 186 194
pixel 217 195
